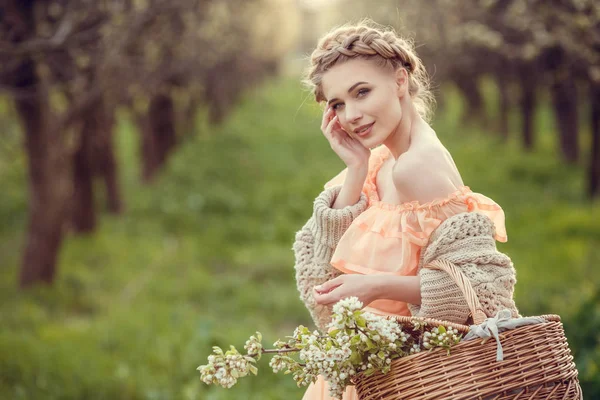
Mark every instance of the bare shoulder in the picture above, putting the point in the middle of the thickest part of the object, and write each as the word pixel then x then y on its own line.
pixel 426 172
pixel 424 156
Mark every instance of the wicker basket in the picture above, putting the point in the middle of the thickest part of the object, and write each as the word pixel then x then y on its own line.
pixel 537 363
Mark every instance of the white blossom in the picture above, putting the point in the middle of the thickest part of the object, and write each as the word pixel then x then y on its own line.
pixel 356 341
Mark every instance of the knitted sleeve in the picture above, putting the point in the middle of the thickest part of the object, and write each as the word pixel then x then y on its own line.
pixel 467 241
pixel 314 245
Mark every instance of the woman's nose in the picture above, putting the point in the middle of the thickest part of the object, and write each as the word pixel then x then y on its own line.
pixel 353 114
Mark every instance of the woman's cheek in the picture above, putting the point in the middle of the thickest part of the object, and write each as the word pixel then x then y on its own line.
pixel 345 127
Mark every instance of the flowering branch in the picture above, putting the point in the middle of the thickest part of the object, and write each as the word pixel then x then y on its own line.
pixel 278 351
pixel 357 342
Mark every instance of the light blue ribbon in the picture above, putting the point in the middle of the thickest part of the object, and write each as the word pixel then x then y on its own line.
pixel 492 326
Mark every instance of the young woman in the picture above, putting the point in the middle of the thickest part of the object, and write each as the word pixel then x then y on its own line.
pixel 400 203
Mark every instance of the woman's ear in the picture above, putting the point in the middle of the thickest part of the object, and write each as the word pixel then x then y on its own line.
pixel 401 82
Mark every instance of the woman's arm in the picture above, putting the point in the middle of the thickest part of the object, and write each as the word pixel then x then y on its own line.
pixel 315 244
pixel 352 188
pixel 368 288
pixel 466 240
pixel 400 288
pixel 310 272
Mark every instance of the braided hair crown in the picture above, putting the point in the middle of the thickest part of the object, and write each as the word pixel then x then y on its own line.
pixel 366 40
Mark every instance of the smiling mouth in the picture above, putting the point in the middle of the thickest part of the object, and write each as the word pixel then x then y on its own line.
pixel 363 130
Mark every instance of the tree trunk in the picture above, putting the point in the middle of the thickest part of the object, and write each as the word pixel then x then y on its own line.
pixel 84 213
pixel 503 82
pixel 187 126
pixel 47 164
pixel 158 135
pixel 94 157
pixel 104 157
pixel 216 95
pixel 108 169
pixel 475 105
pixel 149 163
pixel 49 186
pixel 594 168
pixel 528 103
pixel 162 117
pixel 564 99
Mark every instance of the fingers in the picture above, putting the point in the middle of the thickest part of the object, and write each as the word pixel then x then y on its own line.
pixel 326 298
pixel 331 124
pixel 328 292
pixel 329 285
pixel 326 118
pixel 329 129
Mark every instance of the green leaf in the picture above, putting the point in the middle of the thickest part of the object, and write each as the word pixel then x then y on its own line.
pixel 370 344
pixel 334 332
pixel 381 355
pixel 253 369
pixel 441 329
pixel 369 371
pixel 360 321
pixel 232 351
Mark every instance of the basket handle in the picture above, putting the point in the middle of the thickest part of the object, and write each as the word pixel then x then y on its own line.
pixel 464 285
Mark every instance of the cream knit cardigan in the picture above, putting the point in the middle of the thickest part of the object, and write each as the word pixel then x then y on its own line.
pixel 466 239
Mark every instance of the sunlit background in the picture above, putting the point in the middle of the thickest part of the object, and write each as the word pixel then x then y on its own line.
pixel 158 156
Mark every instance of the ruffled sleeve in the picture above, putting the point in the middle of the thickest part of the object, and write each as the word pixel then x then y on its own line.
pixel 477 202
pixel 376 158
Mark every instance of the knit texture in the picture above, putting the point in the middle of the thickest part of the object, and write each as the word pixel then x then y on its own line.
pixel 466 239
pixel 315 244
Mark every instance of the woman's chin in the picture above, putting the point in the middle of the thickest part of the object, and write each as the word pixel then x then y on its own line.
pixel 371 142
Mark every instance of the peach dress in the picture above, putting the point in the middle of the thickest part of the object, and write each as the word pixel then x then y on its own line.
pixel 387 239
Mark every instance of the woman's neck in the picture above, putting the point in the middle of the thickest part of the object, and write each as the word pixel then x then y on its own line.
pixel 399 141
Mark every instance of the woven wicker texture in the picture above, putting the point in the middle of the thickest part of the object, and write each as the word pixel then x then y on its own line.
pixel 537 364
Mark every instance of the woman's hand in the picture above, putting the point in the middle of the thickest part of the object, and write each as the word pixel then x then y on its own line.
pixel 349 149
pixel 347 285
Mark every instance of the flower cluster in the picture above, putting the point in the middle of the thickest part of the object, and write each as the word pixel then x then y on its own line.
pixel 254 346
pixel 356 343
pixel 224 369
pixel 441 337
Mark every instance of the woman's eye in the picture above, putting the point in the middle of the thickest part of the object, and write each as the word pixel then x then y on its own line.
pixel 363 92
pixel 337 106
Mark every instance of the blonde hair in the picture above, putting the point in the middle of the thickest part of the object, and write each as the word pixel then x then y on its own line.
pixel 369 41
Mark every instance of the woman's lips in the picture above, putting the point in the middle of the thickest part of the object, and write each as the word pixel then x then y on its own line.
pixel 364 130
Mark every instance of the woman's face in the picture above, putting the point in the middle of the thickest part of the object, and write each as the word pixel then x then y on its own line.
pixel 366 99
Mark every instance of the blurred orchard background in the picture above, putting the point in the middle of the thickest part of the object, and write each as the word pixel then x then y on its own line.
pixel 158 156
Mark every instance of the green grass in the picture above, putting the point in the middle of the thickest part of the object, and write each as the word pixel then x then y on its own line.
pixel 203 257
